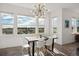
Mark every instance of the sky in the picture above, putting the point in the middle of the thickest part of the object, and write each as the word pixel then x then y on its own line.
pixel 21 20
pixel 6 20
pixel 29 21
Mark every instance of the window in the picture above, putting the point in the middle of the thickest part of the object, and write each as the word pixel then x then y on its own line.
pixel 74 25
pixel 7 22
pixel 31 30
pixel 26 25
pixel 41 25
pixel 54 24
pixel 41 30
pixel 77 24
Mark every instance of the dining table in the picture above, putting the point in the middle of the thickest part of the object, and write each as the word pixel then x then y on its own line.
pixel 32 40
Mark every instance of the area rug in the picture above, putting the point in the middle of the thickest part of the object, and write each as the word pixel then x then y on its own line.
pixel 49 53
pixel 55 53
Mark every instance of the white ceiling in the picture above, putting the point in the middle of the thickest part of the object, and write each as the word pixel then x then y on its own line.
pixel 51 6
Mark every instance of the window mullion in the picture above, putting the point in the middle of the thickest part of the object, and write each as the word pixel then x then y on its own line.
pixel 37 26
pixel 15 25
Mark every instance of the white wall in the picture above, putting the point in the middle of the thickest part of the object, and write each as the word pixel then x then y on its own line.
pixel 10 41
pixel 67 36
pixel 13 40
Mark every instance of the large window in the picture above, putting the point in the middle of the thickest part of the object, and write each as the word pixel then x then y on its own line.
pixel 54 24
pixel 26 25
pixel 75 25
pixel 41 25
pixel 7 22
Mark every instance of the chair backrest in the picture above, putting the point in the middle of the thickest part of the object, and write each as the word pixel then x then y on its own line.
pixel 49 41
pixel 40 43
pixel 42 39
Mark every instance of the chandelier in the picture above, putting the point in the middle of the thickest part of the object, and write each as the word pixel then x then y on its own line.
pixel 40 10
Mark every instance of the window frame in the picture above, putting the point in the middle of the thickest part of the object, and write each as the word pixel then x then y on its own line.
pixel 27 26
pixel 56 25
pixel 74 29
pixel 1 25
pixel 41 26
pixel 14 25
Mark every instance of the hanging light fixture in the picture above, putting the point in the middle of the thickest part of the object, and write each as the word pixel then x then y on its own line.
pixel 40 10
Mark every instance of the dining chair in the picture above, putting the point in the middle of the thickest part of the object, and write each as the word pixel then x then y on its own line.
pixel 39 46
pixel 24 47
pixel 49 42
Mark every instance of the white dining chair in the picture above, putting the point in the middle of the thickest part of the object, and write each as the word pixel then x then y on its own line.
pixel 49 42
pixel 25 46
pixel 39 45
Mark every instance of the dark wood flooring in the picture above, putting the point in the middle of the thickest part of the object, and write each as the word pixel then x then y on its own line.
pixel 71 49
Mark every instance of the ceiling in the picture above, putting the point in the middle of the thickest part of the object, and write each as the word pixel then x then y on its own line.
pixel 51 6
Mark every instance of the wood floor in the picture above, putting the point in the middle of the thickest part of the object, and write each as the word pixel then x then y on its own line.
pixel 68 49
pixel 72 49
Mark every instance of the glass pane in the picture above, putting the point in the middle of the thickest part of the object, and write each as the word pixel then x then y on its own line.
pixel 41 25
pixel 22 30
pixel 6 19
pixel 77 29
pixel 30 30
pixel 41 30
pixel 26 21
pixel 7 30
pixel 77 22
pixel 26 25
pixel 54 24
pixel 7 22
pixel 41 21
pixel 26 30
pixel 54 29
pixel 74 24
